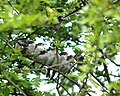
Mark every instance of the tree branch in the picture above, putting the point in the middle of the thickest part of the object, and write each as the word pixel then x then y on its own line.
pixel 7 43
pixel 102 84
pixel 68 78
pixel 84 83
pixel 63 87
pixel 112 61
pixel 57 87
pixel 62 18
pixel 21 70
pixel 106 72
pixel 9 80
pixel 13 7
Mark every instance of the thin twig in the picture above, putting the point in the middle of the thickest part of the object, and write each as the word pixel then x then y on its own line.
pixel 7 43
pixel 101 83
pixel 83 84
pixel 60 85
pixel 105 55
pixel 63 86
pixel 73 12
pixel 89 94
pixel 112 61
pixel 29 70
pixel 13 7
pixel 8 79
pixel 57 87
pixel 115 75
pixel 68 78
pixel 52 66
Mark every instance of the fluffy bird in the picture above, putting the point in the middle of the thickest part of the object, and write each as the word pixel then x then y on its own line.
pixel 46 58
pixel 35 49
pixel 66 64
pixel 22 43
pixel 30 47
pixel 62 57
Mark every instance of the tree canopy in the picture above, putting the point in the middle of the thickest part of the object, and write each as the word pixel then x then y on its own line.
pixel 89 27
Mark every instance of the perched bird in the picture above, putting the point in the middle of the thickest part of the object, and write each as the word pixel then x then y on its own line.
pixel 29 48
pixel 52 60
pixel 35 49
pixel 23 42
pixel 39 47
pixel 66 64
pixel 62 57
pixel 79 58
pixel 47 59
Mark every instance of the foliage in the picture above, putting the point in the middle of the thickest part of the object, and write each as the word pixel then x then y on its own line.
pixel 93 31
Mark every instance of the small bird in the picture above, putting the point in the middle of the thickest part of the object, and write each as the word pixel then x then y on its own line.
pixel 39 47
pixel 52 60
pixel 66 65
pixel 79 58
pixel 62 57
pixel 35 49
pixel 46 59
pixel 23 42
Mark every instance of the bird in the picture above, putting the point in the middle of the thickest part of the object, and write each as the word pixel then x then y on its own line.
pixel 52 60
pixel 46 59
pixel 62 57
pixel 23 42
pixel 35 49
pixel 66 65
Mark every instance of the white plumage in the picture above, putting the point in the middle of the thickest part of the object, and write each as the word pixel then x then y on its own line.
pixel 35 49
pixel 66 65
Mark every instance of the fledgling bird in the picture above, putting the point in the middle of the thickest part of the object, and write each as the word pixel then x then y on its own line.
pixel 66 65
pixel 79 59
pixel 46 59
pixel 62 57
pixel 29 48
pixel 22 43
pixel 35 49
pixel 52 60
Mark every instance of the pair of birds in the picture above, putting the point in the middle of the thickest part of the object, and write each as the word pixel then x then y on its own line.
pixel 37 51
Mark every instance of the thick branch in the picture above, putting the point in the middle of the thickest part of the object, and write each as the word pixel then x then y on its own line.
pixel 106 72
